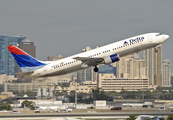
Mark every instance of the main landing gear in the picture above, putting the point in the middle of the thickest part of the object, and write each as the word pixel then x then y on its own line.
pixel 96 69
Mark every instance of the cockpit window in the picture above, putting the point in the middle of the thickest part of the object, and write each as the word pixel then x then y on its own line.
pixel 158 34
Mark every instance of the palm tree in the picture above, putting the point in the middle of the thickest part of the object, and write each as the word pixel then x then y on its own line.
pixel 132 117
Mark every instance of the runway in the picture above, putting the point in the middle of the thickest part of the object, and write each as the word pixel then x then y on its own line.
pixel 116 114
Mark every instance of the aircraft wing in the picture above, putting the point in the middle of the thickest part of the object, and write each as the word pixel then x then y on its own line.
pixel 89 61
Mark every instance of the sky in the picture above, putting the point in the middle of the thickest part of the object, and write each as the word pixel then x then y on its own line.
pixel 67 26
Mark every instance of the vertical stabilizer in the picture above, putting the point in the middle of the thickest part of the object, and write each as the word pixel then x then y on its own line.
pixel 25 61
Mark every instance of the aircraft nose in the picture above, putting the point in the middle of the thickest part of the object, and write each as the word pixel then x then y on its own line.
pixel 166 36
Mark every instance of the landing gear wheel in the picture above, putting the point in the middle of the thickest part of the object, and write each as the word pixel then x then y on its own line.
pixel 96 69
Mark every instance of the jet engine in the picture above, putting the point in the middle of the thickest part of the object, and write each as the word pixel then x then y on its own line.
pixel 111 59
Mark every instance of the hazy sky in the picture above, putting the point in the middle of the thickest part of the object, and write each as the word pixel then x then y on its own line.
pixel 66 26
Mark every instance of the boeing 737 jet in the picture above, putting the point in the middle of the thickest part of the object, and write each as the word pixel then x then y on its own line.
pixel 107 54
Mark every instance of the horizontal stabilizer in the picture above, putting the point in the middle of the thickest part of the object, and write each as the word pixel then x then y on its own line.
pixel 24 73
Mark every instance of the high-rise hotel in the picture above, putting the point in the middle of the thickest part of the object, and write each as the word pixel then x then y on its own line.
pixel 166 73
pixel 153 63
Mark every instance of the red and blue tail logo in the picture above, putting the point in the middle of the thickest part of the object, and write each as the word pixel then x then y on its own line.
pixel 24 60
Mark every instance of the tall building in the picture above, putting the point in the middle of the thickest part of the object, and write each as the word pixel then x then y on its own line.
pixel 166 73
pixel 29 48
pixel 81 76
pixel 131 67
pixel 158 80
pixel 123 67
pixel 153 62
pixel 7 63
pixel 171 78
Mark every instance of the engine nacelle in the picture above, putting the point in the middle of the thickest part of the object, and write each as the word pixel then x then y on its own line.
pixel 111 59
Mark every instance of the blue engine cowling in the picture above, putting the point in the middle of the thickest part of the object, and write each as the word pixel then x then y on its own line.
pixel 111 59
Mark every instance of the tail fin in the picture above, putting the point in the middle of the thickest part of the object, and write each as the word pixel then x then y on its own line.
pixel 26 62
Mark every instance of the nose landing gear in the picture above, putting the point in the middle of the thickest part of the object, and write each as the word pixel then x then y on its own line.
pixel 157 47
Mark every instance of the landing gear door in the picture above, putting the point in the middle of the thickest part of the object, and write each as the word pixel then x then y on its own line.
pixel 150 38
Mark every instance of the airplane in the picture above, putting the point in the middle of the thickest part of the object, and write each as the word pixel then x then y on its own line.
pixel 33 68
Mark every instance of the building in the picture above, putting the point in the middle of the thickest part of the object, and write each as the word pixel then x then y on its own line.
pixel 6 78
pixel 107 69
pixel 74 78
pixel 28 47
pixel 50 58
pixel 90 84
pixel 32 86
pixel 130 67
pixel 81 76
pixel 58 57
pixel 158 76
pixel 123 67
pixel 153 63
pixel 7 63
pixel 10 84
pixel 166 73
pixel 79 88
pixel 171 78
pixel 87 75
pixel 109 82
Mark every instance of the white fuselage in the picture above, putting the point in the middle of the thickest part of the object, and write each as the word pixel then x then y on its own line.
pixel 123 48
